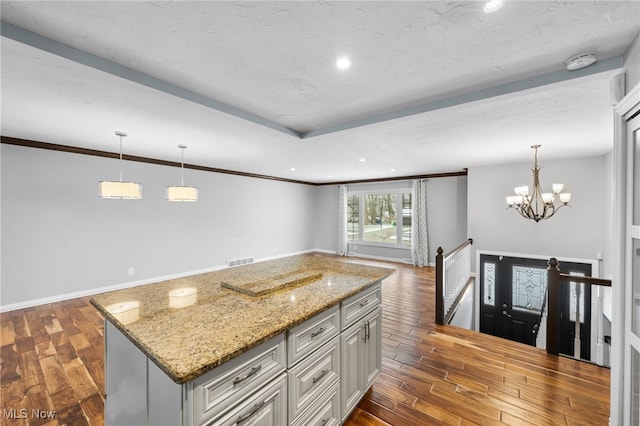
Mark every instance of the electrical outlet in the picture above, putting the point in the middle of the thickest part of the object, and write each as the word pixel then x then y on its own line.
pixel 131 270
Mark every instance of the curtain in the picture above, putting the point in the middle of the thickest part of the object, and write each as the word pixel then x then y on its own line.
pixel 419 240
pixel 342 221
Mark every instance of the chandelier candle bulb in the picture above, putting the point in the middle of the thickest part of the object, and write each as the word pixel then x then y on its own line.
pixel 537 205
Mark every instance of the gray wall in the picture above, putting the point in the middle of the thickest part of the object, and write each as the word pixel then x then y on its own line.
pixel 606 266
pixel 59 238
pixel 632 63
pixel 446 217
pixel 574 232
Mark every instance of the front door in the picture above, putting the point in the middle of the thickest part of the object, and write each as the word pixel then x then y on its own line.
pixel 512 298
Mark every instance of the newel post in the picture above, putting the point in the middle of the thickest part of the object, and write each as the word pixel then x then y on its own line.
pixel 440 287
pixel 553 307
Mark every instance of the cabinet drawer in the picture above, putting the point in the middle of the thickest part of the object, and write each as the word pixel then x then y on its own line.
pixel 267 407
pixel 313 376
pixel 358 305
pixel 216 391
pixel 311 334
pixel 323 412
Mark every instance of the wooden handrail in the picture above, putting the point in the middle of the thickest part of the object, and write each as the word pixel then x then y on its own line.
pixel 553 288
pixel 587 280
pixel 457 249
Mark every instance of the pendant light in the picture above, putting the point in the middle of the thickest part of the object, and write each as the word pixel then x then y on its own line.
pixel 120 189
pixel 182 193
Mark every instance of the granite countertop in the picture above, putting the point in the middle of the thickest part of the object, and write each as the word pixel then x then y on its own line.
pixel 190 325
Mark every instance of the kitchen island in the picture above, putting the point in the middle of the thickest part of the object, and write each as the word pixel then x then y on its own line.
pixel 289 341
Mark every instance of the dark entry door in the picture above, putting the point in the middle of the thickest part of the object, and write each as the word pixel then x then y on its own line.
pixel 512 294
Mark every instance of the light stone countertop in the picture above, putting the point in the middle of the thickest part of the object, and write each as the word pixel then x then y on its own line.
pixel 190 325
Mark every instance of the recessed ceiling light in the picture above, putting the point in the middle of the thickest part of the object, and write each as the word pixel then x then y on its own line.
pixel 343 63
pixel 362 160
pixel 493 5
pixel 393 170
pixel 293 169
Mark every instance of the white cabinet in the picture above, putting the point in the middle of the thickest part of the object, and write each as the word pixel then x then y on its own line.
pixel 266 407
pixel 355 307
pixel 314 374
pixel 325 411
pixel 215 392
pixel 312 377
pixel 372 353
pixel 361 358
pixel 307 337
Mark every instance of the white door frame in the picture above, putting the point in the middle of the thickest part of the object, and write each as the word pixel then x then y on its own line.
pixel 622 340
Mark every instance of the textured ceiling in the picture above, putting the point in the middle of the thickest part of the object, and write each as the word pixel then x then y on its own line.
pixel 253 87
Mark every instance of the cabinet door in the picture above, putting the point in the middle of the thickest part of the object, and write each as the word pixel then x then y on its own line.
pixel 309 379
pixel 265 408
pixel 323 412
pixel 372 349
pixel 351 365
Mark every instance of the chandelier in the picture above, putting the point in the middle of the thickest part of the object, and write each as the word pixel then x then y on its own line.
pixel 538 205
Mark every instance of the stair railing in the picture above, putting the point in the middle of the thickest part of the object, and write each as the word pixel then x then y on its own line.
pixel 453 276
pixel 554 280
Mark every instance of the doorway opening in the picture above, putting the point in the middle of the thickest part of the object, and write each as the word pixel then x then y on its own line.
pixel 513 301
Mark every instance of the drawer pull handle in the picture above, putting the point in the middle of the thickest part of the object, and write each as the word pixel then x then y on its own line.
pixel 317 333
pixel 317 379
pixel 253 371
pixel 365 303
pixel 242 419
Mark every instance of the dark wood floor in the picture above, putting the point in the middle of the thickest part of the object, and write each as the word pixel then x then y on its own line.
pixel 52 360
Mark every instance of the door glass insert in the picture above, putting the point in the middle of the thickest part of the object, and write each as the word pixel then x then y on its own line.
pixel 576 293
pixel 489 284
pixel 529 285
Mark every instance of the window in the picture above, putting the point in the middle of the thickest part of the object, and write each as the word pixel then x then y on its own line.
pixel 385 218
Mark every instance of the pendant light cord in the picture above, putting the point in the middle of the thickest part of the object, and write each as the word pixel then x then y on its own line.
pixel 182 169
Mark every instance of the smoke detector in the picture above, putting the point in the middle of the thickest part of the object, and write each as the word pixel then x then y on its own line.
pixel 580 61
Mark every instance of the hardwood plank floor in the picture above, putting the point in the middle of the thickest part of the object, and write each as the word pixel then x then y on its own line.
pixel 52 361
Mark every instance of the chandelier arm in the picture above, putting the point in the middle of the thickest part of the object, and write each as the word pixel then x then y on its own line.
pixel 526 213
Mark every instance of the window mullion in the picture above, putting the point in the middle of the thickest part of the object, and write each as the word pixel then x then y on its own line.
pixel 399 210
pixel 361 217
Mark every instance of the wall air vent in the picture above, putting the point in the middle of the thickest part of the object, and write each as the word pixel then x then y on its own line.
pixel 237 262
